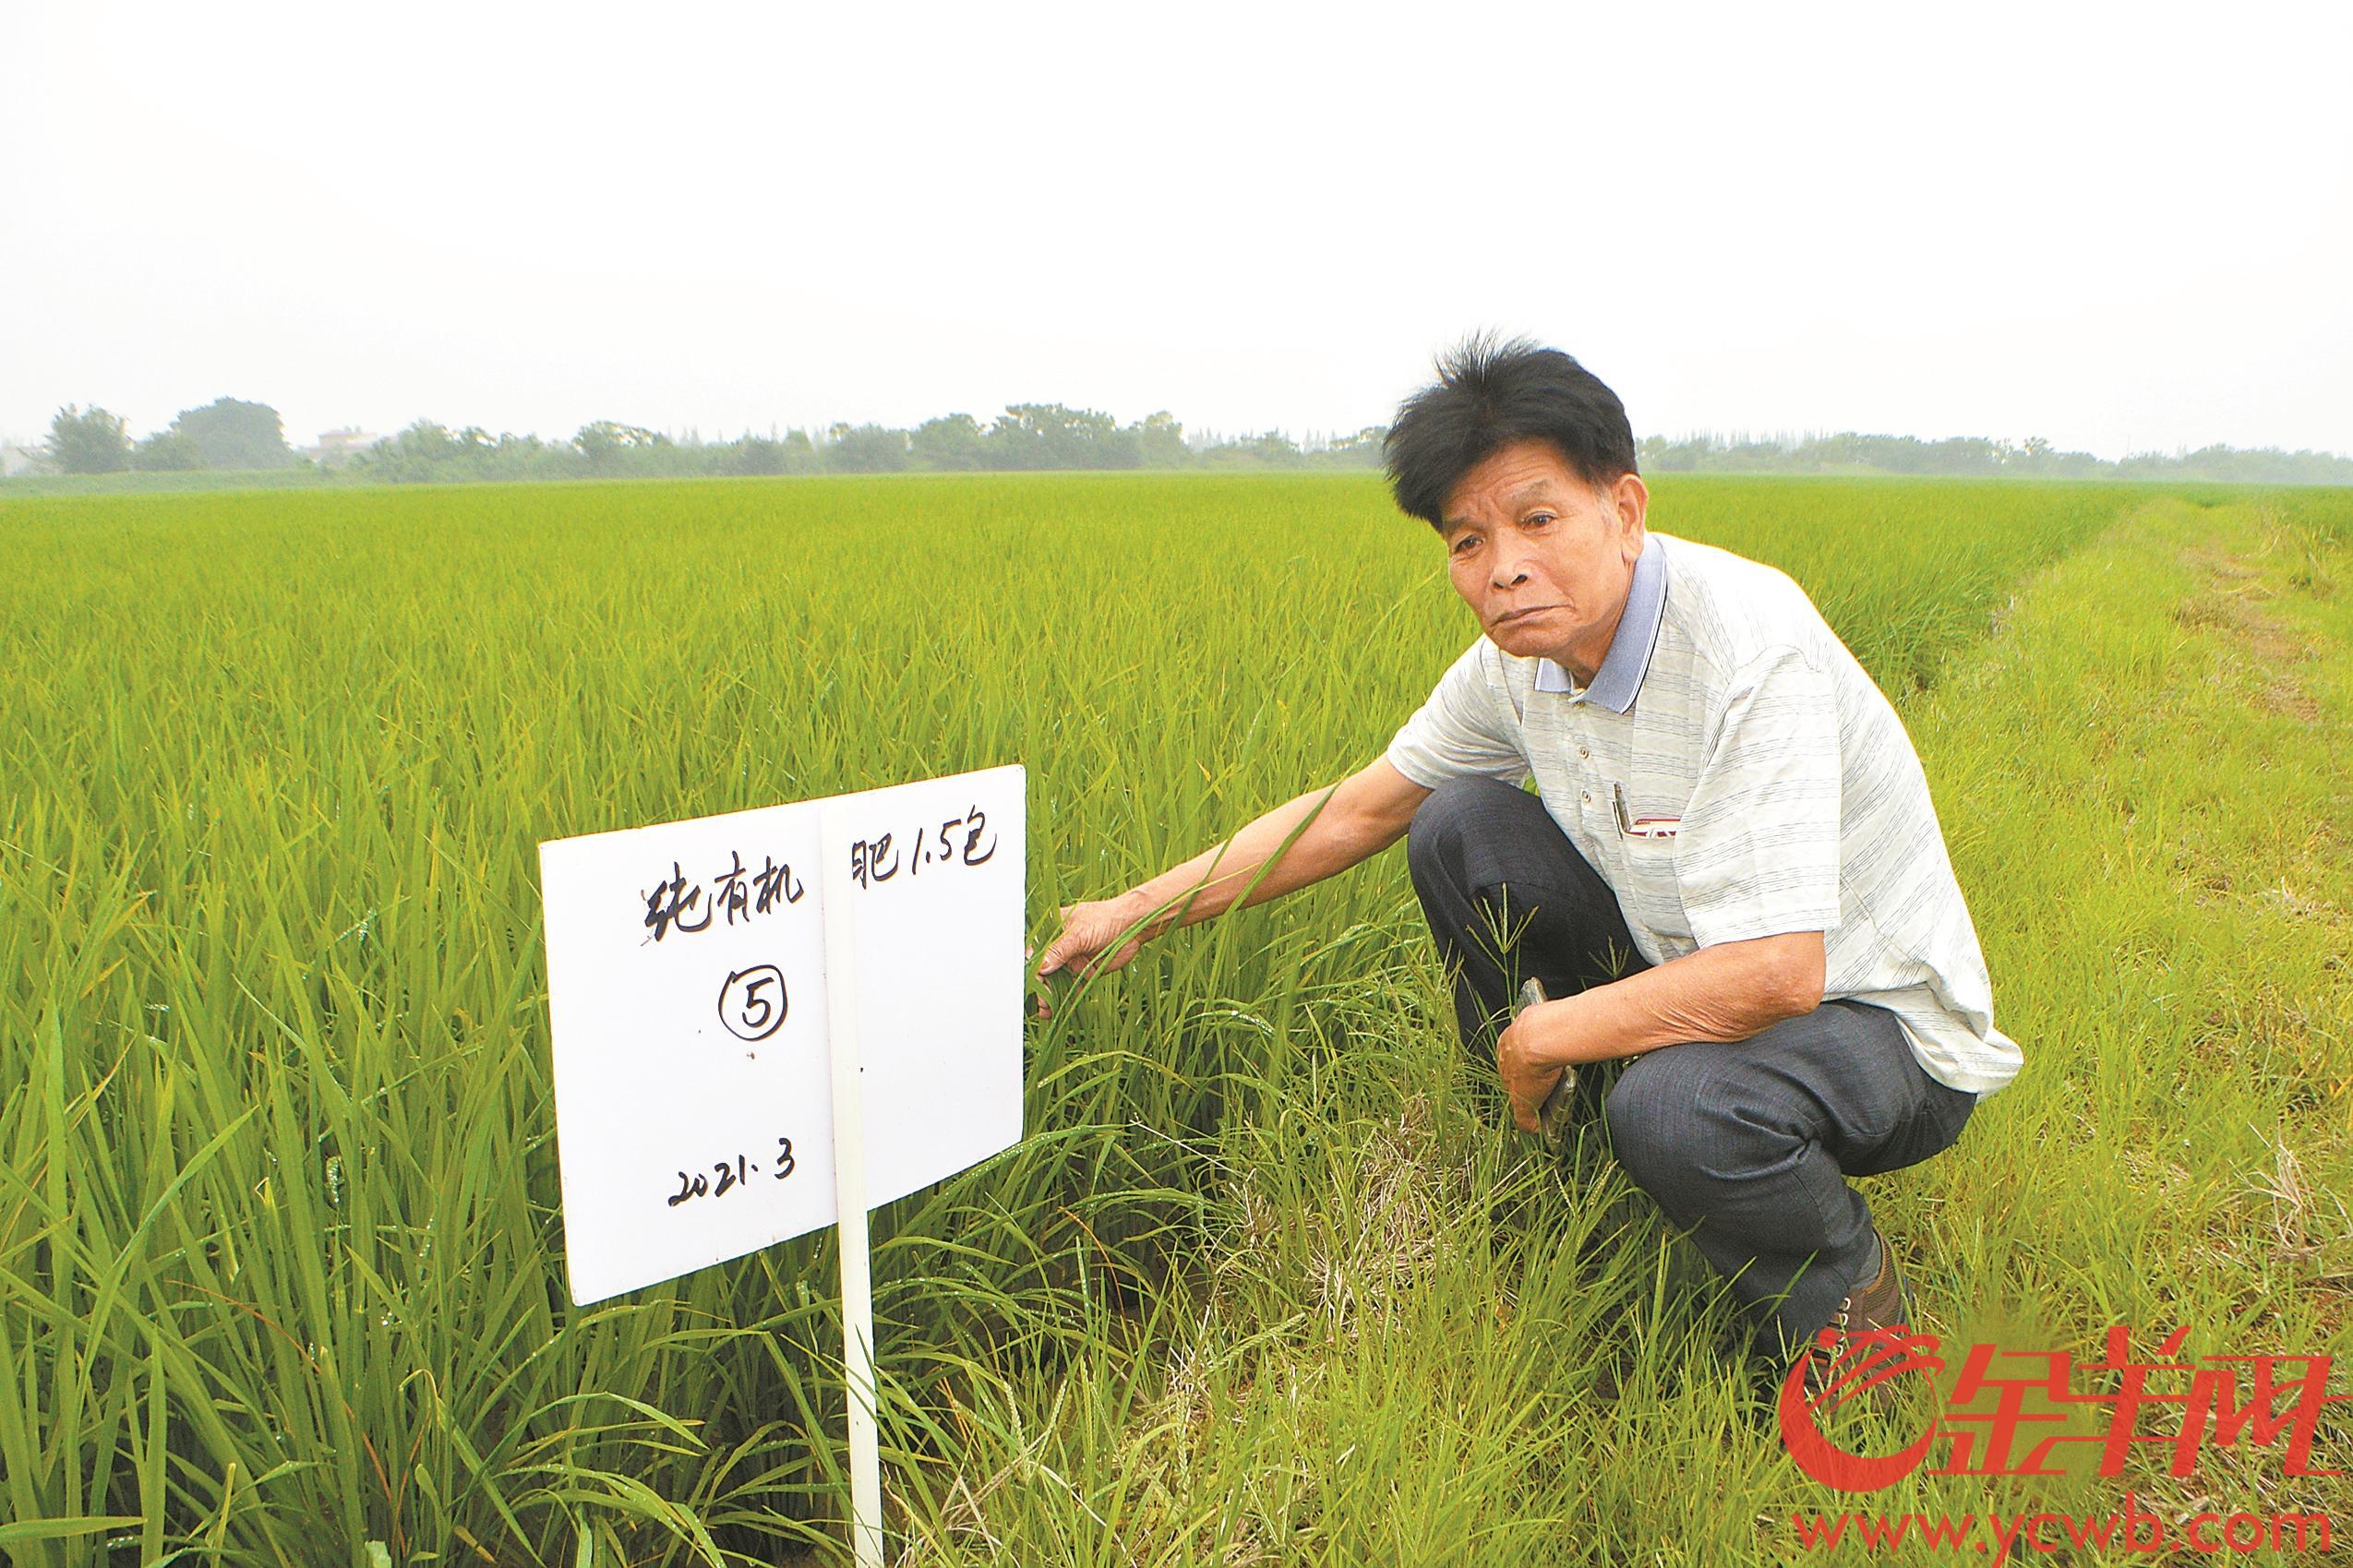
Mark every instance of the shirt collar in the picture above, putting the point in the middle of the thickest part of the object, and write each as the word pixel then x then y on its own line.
pixel 1620 676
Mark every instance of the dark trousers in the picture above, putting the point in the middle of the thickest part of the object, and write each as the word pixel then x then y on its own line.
pixel 1745 1145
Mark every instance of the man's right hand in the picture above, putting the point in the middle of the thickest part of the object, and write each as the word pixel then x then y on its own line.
pixel 1090 942
pixel 1297 842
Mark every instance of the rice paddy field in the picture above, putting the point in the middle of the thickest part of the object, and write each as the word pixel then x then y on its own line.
pixel 1271 1279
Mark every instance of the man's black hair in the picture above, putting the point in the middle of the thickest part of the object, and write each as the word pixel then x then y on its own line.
pixel 1488 395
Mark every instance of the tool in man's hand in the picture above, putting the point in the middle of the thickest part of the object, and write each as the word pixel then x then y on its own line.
pixel 1560 1105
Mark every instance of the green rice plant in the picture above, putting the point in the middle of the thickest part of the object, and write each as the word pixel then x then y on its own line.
pixel 279 1256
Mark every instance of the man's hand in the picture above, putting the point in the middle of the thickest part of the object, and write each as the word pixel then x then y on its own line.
pixel 1090 940
pixel 1301 841
pixel 1729 991
pixel 1531 1053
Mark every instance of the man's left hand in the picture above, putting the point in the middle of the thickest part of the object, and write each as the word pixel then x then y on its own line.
pixel 1531 1053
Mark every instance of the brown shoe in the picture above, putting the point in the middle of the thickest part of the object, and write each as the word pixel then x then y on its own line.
pixel 1880 1304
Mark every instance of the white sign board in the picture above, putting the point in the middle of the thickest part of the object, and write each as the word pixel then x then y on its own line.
pixel 687 975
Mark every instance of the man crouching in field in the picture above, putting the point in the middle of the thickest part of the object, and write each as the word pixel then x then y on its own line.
pixel 1730 875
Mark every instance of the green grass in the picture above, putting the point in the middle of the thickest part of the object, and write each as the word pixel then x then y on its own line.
pixel 138 482
pixel 280 1260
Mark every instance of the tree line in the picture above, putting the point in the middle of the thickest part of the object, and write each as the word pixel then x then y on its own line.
pixel 233 436
pixel 226 434
pixel 1977 457
pixel 1028 437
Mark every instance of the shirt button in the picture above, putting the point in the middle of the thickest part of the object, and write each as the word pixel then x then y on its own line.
pixel 1581 751
pixel 1588 797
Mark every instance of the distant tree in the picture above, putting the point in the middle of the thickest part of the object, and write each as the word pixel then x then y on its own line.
pixel 88 443
pixel 1050 436
pixel 1360 450
pixel 527 456
pixel 1273 448
pixel 951 442
pixel 792 452
pixel 1659 455
pixel 428 452
pixel 235 435
pixel 1160 441
pixel 167 451
pixel 866 448
pixel 754 455
pixel 604 441
pixel 425 450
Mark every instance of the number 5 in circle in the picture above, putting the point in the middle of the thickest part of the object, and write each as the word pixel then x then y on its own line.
pixel 752 1003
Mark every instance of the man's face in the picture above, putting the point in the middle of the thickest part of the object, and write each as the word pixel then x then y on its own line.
pixel 1542 560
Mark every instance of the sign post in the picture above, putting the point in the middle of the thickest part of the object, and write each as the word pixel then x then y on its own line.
pixel 849 1190
pixel 775 1020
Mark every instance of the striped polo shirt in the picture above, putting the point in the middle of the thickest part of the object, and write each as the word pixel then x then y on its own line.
pixel 1733 772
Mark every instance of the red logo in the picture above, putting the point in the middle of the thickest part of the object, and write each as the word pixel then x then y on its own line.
pixel 2014 1425
pixel 1861 1363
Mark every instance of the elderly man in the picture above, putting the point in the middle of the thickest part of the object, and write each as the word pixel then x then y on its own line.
pixel 1730 878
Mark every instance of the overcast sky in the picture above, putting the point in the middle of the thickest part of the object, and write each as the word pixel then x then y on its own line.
pixel 2121 228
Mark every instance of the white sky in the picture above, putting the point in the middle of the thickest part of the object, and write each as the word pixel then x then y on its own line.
pixel 2121 228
